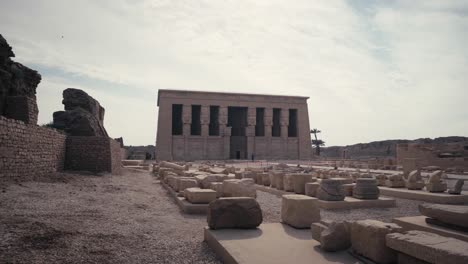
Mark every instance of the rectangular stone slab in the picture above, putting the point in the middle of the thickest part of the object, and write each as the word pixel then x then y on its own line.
pixel 429 247
pixel 272 243
pixel 421 195
pixel 419 223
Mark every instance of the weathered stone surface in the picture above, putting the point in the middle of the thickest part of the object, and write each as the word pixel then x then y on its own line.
pixel 266 179
pixel 331 190
pixel 278 176
pixel 415 181
pixel 336 237
pixel 311 188
pixel 18 86
pixel 299 181
pixel 218 187
pixel 185 183
pixel 239 188
pixel 272 180
pixel 429 247
pixel 348 189
pixel 450 214
pixel 457 188
pixel 199 196
pixel 366 189
pixel 436 183
pixel 205 180
pixel 368 239
pixel 234 212
pixel 299 211
pixel 288 184
pixel 173 166
pixel 83 115
pixel 316 230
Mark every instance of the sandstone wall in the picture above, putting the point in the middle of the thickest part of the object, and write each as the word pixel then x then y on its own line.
pixel 428 154
pixel 28 151
pixel 95 154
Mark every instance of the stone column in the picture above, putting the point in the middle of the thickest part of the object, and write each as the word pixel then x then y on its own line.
pixel 187 120
pixel 250 131
pixel 224 132
pixel 268 121
pixel 284 122
pixel 205 122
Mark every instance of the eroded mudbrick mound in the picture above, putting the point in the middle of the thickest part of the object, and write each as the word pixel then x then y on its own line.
pixel 83 115
pixel 17 87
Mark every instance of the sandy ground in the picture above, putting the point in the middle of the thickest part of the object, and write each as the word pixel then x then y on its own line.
pixel 98 219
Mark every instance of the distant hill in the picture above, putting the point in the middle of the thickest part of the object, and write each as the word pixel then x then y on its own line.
pixel 384 148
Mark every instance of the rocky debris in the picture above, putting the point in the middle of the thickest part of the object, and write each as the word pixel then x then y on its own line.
pixel 331 190
pixel 18 85
pixel 299 211
pixel 457 188
pixel 429 247
pixel 368 239
pixel 199 196
pixel 395 181
pixel 456 215
pixel 234 212
pixel 436 182
pixel 336 237
pixel 415 181
pixel 366 189
pixel 83 115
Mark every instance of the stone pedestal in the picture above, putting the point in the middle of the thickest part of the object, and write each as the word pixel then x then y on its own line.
pixel 331 190
pixel 366 189
pixel 299 211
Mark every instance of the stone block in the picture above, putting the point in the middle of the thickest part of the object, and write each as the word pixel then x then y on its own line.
pixel 204 181
pixel 288 185
pixel 368 239
pixel 316 230
pixel 278 176
pixel 300 180
pixel 311 188
pixel 429 247
pixel 266 179
pixel 239 188
pixel 366 189
pixel 330 190
pixel 348 189
pixel 336 237
pixel 199 196
pixel 436 187
pixel 184 183
pixel 456 215
pixel 299 211
pixel 234 212
pixel 218 187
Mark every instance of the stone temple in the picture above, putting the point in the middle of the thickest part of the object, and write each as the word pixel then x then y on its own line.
pixel 198 125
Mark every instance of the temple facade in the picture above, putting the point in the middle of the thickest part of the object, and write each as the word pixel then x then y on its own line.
pixel 196 125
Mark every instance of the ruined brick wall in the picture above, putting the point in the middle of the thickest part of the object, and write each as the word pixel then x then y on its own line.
pixel 95 154
pixel 28 151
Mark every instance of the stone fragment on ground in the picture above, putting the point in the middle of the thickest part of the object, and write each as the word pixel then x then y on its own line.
pixel 299 211
pixel 199 196
pixel 234 212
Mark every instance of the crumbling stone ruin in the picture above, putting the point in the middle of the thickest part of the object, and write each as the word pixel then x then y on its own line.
pixel 83 115
pixel 18 85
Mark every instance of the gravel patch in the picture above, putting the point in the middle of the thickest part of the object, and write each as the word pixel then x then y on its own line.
pixel 98 219
pixel 271 207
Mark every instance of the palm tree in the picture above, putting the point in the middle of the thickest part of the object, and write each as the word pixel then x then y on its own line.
pixel 317 142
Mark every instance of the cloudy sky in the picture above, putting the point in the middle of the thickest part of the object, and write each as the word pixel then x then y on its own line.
pixel 373 70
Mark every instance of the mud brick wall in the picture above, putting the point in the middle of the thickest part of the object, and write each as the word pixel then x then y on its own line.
pixel 95 154
pixel 29 151
pixel 22 108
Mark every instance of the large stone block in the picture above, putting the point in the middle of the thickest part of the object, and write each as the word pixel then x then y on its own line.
pixel 288 182
pixel 205 180
pixel 366 189
pixel 183 183
pixel 300 180
pixel 199 196
pixel 278 176
pixel 218 187
pixel 336 237
pixel 299 211
pixel 456 215
pixel 429 247
pixel 239 188
pixel 234 212
pixel 368 239
pixel 266 179
pixel 311 188
pixel 331 190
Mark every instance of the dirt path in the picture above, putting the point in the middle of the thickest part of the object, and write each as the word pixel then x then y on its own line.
pixel 91 219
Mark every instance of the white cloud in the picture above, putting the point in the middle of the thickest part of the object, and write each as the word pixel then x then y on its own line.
pixel 390 70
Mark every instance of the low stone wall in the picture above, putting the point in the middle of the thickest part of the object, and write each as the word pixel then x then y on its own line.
pixel 28 151
pixel 95 154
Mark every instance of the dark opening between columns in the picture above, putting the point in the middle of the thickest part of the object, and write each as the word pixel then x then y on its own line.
pixel 214 121
pixel 260 124
pixel 292 126
pixel 195 128
pixel 177 126
pixel 276 128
